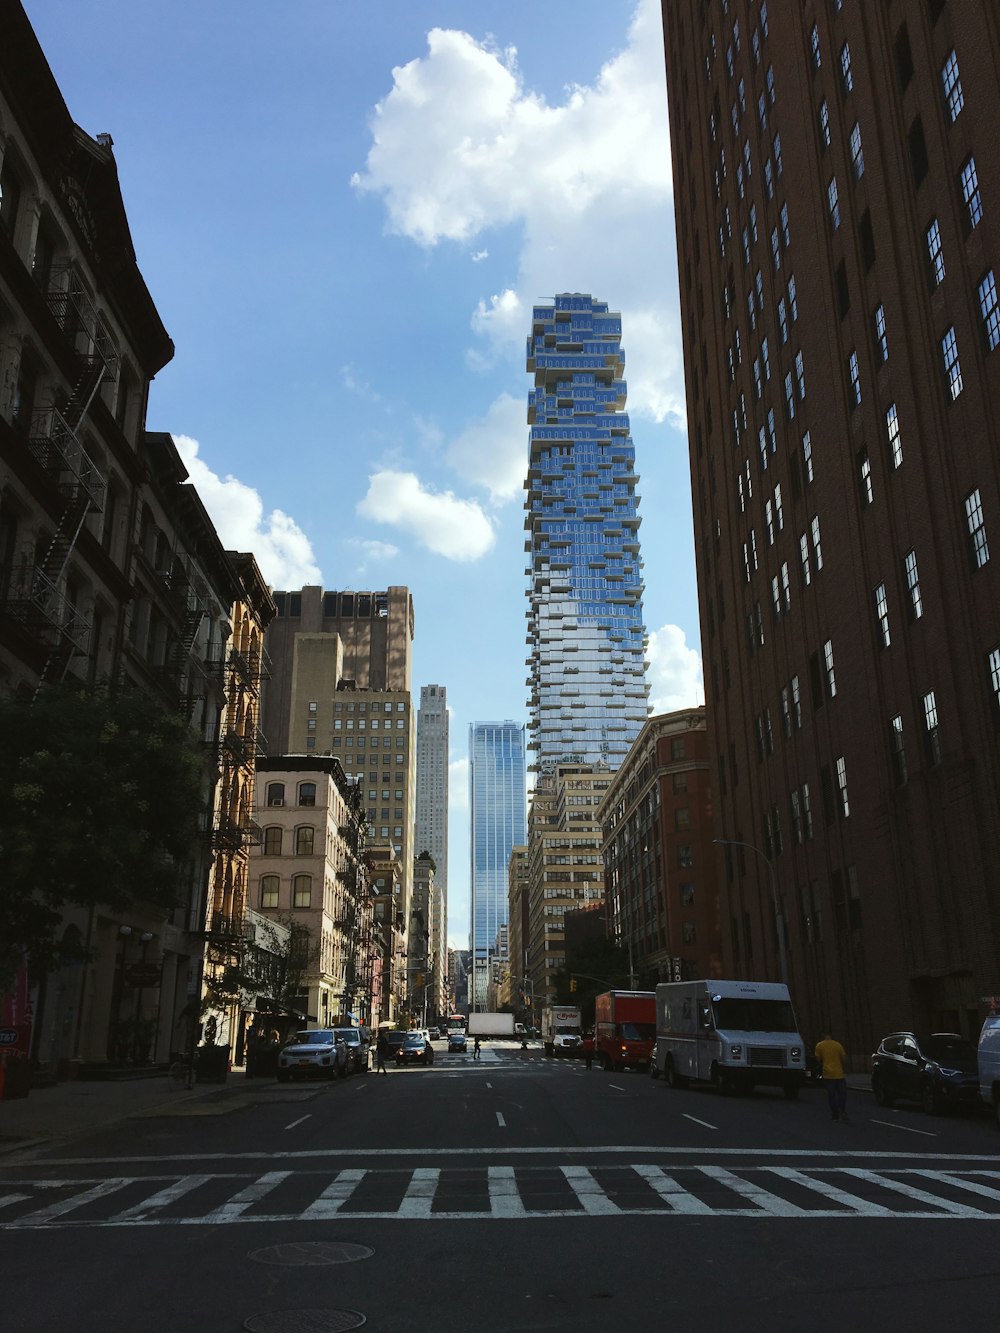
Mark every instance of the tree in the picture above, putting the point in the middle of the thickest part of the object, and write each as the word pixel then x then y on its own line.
pixel 101 795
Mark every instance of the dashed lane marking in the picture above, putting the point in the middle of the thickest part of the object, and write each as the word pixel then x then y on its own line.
pixel 697 1121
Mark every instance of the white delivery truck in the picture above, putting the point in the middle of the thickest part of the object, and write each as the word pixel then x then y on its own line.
pixel 989 1063
pixel 733 1034
pixel 491 1024
pixel 561 1030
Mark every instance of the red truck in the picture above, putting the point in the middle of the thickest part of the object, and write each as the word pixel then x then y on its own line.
pixel 625 1028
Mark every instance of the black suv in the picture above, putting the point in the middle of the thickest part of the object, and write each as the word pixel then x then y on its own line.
pixel 937 1071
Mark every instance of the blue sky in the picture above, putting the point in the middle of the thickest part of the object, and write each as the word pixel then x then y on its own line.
pixel 344 213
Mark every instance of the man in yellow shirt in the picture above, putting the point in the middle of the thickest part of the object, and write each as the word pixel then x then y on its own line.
pixel 833 1056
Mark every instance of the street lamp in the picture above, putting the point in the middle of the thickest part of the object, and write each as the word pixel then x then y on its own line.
pixel 779 920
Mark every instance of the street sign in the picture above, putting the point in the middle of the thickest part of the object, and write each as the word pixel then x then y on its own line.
pixel 139 975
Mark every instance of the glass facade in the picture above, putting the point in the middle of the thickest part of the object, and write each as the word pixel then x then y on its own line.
pixel 498 811
pixel 585 623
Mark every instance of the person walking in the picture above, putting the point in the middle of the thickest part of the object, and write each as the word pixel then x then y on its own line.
pixel 381 1046
pixel 588 1050
pixel 833 1057
pixel 475 1049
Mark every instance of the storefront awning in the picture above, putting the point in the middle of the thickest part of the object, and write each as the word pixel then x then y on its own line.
pixel 267 1004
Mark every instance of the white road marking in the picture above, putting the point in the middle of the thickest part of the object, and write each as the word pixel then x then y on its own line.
pixel 852 1201
pixel 678 1198
pixel 973 1186
pixel 891 1124
pixel 489 1085
pixel 501 1121
pixel 574 1150
pixel 299 1121
pixel 697 1121
pixel 7 1199
pixel 771 1203
pixel 246 1198
pixel 588 1191
pixel 333 1197
pixel 420 1192
pixel 161 1198
pixel 505 1198
pixel 911 1192
pixel 64 1206
pixel 616 1087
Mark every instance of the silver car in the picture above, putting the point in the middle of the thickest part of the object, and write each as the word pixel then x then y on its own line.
pixel 316 1053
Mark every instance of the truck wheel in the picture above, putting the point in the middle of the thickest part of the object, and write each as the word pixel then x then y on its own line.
pixel 548 1048
pixel 653 1071
pixel 606 1063
pixel 673 1078
pixel 996 1107
pixel 721 1081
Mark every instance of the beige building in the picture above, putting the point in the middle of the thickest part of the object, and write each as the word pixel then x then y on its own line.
pixel 310 873
pixel 389 976
pixel 565 868
pixel 519 902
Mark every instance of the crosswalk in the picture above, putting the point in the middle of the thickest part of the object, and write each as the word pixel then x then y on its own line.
pixel 502 1192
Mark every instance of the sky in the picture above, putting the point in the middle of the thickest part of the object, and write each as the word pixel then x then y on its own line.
pixel 344 213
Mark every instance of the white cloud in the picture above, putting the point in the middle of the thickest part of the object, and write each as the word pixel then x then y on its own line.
pixel 480 255
pixel 370 552
pixel 443 522
pixel 493 451
pixel 281 548
pixel 674 671
pixel 353 382
pixel 587 181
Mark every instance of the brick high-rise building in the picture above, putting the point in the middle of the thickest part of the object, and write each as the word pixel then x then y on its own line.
pixel 838 198
pixel 430 832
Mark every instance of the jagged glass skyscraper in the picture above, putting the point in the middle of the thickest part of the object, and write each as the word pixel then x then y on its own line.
pixel 587 639
pixel 498 811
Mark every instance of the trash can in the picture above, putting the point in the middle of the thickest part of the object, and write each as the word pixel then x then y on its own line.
pixel 211 1064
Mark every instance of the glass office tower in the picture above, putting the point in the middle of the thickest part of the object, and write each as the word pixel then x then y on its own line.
pixel 498 811
pixel 586 634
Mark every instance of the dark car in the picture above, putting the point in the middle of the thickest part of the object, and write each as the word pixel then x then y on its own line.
pixel 414 1050
pixel 393 1041
pixel 936 1071
pixel 356 1040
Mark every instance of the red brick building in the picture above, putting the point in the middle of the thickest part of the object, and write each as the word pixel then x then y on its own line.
pixel 838 231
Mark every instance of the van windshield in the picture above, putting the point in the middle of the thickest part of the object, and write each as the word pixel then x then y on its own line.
pixel 743 1014
pixel 637 1031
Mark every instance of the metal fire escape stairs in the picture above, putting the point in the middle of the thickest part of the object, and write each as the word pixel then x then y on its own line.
pixel 54 441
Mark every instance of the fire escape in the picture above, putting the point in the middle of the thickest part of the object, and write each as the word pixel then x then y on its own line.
pixel 356 925
pixel 40 599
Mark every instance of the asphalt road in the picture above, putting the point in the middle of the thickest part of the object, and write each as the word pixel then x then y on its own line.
pixel 512 1193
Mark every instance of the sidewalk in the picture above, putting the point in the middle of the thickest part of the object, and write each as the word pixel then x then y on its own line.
pixel 80 1107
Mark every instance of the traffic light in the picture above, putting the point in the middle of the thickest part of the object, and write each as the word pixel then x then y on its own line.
pixel 572 983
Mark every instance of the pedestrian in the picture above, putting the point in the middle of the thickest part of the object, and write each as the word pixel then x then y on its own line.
pixel 475 1049
pixel 381 1046
pixel 588 1050
pixel 833 1057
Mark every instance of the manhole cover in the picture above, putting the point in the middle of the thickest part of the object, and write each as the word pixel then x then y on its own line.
pixel 312 1254
pixel 304 1321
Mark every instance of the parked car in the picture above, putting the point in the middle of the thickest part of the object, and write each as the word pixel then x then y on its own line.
pixel 357 1042
pixel 989 1063
pixel 414 1050
pixel 457 1041
pixel 315 1053
pixel 936 1071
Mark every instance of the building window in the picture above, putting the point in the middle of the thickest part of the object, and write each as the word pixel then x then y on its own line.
pixel 307 793
pixel 807 457
pixel 269 890
pixel 684 857
pixel 993 662
pixel 931 732
pixel 843 802
pixel 824 125
pixel 817 59
pixel 882 614
pixel 272 840
pixel 857 152
pixel 881 340
pixel 897 751
pixel 854 374
pixel 804 557
pixel 865 478
pixel 777 156
pixel 833 202
pixel 846 73
pixel 990 311
pixel 677 748
pixel 935 253
pixel 304 840
pixel 276 793
pixel 892 432
pixel 302 891
pixel 831 675
pixel 817 545
pixel 951 364
pixel 971 198
pixel 687 894
pixel 951 84
pixel 682 818
pixel 912 576
pixel 977 529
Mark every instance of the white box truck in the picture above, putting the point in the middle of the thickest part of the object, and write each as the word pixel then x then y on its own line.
pixel 561 1030
pixel 733 1034
pixel 491 1025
